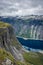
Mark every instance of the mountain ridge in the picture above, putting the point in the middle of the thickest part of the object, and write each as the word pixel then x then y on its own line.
pixel 32 26
pixel 5 41
pixel 11 51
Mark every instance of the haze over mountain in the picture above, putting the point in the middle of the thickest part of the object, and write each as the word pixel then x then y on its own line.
pixel 26 26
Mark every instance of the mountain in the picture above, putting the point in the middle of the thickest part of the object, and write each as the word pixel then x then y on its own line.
pixel 9 45
pixel 26 26
pixel 8 39
pixel 12 52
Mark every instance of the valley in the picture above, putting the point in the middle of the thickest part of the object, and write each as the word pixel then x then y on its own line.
pixel 16 32
pixel 27 27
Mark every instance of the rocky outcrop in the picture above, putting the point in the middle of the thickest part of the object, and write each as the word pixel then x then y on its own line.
pixel 7 62
pixel 10 43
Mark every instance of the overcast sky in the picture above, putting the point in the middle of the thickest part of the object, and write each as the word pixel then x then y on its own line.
pixel 21 7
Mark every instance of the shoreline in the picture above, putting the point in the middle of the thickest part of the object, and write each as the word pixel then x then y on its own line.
pixel 31 49
pixel 29 38
pixel 27 49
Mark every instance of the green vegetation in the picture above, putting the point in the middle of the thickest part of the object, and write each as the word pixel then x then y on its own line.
pixel 4 25
pixel 4 54
pixel 4 28
pixel 30 58
pixel 34 58
pixel 24 63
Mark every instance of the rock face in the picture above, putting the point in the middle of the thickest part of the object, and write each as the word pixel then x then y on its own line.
pixel 7 62
pixel 27 26
pixel 9 41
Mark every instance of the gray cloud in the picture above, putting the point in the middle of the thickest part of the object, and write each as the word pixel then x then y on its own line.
pixel 21 7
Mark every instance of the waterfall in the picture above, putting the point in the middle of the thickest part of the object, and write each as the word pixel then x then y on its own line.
pixel 34 32
pixel 31 33
pixel 38 32
pixel 41 33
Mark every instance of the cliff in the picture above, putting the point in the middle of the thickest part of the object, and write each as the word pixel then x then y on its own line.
pixel 12 52
pixel 26 26
pixel 9 43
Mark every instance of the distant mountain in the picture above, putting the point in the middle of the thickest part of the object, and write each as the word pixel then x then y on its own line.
pixel 26 26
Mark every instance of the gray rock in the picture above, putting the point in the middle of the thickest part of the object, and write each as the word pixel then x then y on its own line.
pixel 7 62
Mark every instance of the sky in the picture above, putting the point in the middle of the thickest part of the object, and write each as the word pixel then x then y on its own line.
pixel 21 7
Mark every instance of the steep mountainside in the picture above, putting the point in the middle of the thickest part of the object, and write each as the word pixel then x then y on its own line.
pixel 27 26
pixel 12 52
pixel 9 42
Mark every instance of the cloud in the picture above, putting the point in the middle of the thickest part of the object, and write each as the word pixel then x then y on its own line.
pixel 20 7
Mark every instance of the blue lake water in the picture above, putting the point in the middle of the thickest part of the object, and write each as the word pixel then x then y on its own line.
pixel 30 43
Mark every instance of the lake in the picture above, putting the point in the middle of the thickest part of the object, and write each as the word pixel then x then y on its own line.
pixel 31 43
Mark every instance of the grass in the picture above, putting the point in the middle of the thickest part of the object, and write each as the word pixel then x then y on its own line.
pixel 4 54
pixel 30 58
pixel 34 58
pixel 4 25
pixel 11 33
